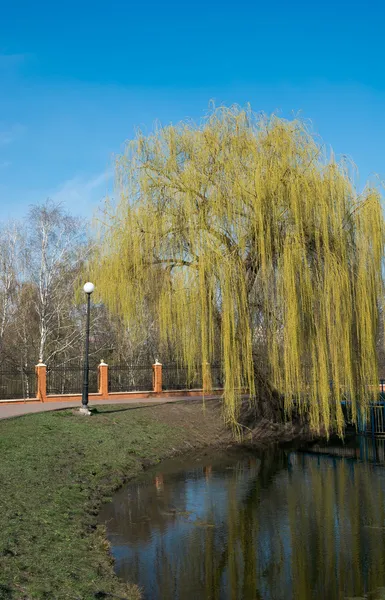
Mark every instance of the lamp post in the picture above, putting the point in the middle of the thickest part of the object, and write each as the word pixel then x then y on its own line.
pixel 88 288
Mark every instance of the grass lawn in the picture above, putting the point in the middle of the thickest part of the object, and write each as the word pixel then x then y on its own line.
pixel 55 470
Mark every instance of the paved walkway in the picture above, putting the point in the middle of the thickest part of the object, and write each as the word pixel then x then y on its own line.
pixel 18 409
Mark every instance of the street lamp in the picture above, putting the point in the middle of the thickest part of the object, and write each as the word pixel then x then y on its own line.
pixel 88 288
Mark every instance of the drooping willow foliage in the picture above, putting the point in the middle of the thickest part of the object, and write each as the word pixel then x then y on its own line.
pixel 241 231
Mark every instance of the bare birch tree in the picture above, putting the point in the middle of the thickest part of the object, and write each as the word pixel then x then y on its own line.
pixel 10 235
pixel 55 250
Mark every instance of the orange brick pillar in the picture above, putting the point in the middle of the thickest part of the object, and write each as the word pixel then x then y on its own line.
pixel 41 382
pixel 103 379
pixel 159 484
pixel 157 377
pixel 207 470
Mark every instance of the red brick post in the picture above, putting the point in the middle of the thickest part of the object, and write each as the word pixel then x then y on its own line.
pixel 41 382
pixel 103 379
pixel 207 470
pixel 159 483
pixel 157 377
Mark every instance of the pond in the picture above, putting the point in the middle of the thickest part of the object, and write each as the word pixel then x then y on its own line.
pixel 277 525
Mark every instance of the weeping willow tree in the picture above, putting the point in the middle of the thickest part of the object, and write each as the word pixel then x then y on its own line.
pixel 241 232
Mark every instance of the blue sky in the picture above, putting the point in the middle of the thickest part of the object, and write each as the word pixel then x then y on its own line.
pixel 76 79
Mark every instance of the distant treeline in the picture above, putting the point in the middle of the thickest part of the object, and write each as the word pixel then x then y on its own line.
pixel 43 262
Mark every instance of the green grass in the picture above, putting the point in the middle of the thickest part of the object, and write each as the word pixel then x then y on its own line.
pixel 55 469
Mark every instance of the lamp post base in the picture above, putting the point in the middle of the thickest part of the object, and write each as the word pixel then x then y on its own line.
pixel 84 411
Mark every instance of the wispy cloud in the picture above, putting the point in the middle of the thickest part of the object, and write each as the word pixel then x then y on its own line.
pixel 10 134
pixel 81 194
pixel 5 164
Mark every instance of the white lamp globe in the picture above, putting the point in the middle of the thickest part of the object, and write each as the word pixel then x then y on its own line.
pixel 89 287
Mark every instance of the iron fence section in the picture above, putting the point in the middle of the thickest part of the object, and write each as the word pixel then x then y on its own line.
pixel 175 377
pixel 69 380
pixel 374 421
pixel 17 383
pixel 129 378
pixel 217 376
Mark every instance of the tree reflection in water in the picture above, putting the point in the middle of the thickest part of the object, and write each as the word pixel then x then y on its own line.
pixel 282 525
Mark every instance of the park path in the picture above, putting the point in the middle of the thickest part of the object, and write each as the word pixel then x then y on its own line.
pixel 18 409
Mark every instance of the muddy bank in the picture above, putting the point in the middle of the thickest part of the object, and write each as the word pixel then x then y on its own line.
pixel 203 421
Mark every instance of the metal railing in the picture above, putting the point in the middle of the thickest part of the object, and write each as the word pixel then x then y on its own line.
pixel 17 383
pixel 129 378
pixel 69 379
pixel 217 376
pixel 373 422
pixel 175 377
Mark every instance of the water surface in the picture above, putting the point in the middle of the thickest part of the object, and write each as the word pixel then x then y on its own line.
pixel 282 525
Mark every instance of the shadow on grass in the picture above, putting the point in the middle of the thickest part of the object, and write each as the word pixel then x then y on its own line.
pixel 96 411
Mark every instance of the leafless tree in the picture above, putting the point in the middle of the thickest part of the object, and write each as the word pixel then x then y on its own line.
pixel 10 236
pixel 54 253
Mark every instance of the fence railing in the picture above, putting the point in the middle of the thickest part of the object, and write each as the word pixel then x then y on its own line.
pixel 17 383
pixel 129 378
pixel 52 380
pixel 175 377
pixel 217 376
pixel 69 380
